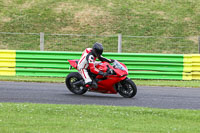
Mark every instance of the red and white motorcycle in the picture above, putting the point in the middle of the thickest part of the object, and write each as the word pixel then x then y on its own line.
pixel 115 82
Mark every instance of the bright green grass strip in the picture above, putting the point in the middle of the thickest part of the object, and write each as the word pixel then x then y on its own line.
pixel 172 83
pixel 32 79
pixel 138 82
pixel 32 118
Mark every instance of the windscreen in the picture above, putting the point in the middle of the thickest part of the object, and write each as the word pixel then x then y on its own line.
pixel 116 64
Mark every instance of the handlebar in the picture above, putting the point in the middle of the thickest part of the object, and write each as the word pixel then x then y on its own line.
pixel 109 70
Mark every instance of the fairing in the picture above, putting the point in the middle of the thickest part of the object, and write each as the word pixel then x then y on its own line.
pixel 106 85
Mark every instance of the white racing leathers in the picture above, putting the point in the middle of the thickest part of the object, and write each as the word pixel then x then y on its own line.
pixel 87 62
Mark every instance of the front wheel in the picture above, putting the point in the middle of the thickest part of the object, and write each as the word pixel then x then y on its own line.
pixel 73 78
pixel 127 88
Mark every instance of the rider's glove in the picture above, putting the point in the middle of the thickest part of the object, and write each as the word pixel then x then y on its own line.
pixel 103 74
pixel 111 60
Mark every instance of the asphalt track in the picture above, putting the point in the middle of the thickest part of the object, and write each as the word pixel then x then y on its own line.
pixel 57 93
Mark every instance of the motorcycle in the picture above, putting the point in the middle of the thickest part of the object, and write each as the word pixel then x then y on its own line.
pixel 115 82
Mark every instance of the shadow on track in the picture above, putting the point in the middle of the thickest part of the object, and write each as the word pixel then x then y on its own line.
pixel 103 96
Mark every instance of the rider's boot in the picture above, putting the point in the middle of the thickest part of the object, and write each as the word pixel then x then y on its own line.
pixel 92 84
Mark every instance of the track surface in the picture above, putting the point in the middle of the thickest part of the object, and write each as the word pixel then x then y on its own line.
pixel 56 93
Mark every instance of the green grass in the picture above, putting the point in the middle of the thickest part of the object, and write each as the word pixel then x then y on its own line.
pixel 102 17
pixel 34 118
pixel 32 79
pixel 172 83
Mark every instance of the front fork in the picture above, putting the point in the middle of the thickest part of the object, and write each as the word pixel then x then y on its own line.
pixel 120 84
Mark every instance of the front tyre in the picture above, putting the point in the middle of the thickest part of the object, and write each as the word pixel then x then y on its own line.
pixel 127 88
pixel 71 79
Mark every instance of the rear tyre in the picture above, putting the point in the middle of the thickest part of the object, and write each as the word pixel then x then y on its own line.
pixel 71 79
pixel 127 88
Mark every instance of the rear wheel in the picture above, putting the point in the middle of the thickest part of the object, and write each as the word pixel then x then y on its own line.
pixel 73 78
pixel 127 88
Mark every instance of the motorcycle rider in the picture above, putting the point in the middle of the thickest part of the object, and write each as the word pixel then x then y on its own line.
pixel 87 63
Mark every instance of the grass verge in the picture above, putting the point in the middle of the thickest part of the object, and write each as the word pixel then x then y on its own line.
pixel 172 83
pixel 50 118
